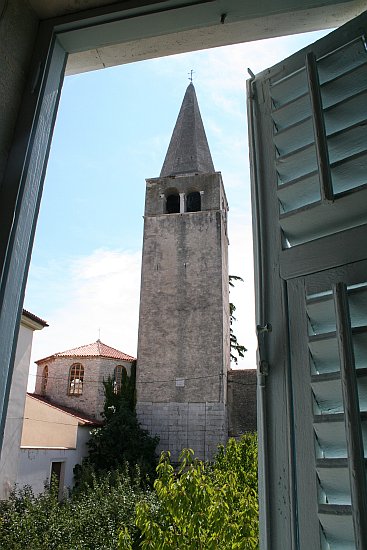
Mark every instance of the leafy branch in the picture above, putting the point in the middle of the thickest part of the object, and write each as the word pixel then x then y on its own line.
pixel 235 347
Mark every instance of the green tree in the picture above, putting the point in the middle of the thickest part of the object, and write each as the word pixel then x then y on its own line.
pixel 235 347
pixel 88 519
pixel 121 439
pixel 203 506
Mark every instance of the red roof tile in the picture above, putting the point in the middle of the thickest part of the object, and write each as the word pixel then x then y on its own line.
pixel 81 417
pixel 96 349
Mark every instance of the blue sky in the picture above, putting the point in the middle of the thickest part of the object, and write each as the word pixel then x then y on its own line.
pixel 111 133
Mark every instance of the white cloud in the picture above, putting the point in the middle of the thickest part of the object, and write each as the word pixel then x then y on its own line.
pixel 101 292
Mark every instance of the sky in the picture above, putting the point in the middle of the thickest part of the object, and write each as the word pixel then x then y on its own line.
pixel 112 132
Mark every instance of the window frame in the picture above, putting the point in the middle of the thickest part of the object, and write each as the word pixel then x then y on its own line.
pixel 76 372
pixel 21 188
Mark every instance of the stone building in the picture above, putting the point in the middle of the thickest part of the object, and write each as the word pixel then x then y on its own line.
pixel 74 378
pixel 241 395
pixel 183 344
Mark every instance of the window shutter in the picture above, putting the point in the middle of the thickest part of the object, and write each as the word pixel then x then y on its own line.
pixel 308 142
pixel 319 113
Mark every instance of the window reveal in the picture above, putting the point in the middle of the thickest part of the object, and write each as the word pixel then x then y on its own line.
pixel 44 380
pixel 76 378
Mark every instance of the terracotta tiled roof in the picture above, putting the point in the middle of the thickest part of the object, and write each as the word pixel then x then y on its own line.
pixel 83 419
pixel 96 349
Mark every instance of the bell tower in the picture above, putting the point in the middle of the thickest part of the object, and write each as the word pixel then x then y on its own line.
pixel 183 346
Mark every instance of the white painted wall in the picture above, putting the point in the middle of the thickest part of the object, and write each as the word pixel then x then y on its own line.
pixel 35 463
pixel 14 419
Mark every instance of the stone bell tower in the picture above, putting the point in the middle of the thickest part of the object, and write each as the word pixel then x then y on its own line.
pixel 183 347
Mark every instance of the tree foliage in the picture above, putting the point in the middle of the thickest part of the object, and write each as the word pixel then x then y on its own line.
pixel 121 439
pixel 89 519
pixel 199 506
pixel 202 505
pixel 237 350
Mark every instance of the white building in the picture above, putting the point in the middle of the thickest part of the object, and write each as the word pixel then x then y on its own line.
pixel 54 440
pixel 14 420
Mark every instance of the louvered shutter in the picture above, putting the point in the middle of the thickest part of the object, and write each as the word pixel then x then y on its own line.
pixel 308 133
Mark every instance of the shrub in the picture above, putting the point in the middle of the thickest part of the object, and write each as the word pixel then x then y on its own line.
pixel 203 506
pixel 90 519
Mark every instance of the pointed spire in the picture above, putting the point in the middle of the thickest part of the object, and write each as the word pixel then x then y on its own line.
pixel 188 151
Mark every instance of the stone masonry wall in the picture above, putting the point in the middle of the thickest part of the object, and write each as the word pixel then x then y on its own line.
pixel 96 369
pixel 183 346
pixel 241 388
pixel 181 309
pixel 198 426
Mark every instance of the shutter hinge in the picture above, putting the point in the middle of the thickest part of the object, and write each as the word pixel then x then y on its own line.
pixel 260 331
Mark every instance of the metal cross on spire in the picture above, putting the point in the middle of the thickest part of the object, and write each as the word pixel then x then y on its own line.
pixel 191 73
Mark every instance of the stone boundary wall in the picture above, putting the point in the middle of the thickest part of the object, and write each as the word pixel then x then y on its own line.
pixel 241 401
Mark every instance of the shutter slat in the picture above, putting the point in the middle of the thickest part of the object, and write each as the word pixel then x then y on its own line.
pixel 337 523
pixel 325 357
pixel 334 481
pixel 321 219
pixel 347 85
pixel 349 173
pixel 346 143
pixel 299 193
pixel 289 88
pixel 346 112
pixel 292 112
pixel 296 164
pixel 321 311
pixel 330 432
pixel 294 137
pixel 321 314
pixel 328 396
pixel 342 60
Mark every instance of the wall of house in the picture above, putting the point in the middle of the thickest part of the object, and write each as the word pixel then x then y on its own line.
pixel 45 426
pixel 35 463
pixel 14 419
pixel 96 369
pixel 241 401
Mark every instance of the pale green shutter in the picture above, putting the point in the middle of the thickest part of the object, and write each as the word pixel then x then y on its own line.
pixel 308 132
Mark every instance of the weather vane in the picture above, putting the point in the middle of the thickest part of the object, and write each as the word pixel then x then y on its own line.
pixel 191 73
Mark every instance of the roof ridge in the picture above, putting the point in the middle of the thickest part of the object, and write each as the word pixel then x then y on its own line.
pixel 97 349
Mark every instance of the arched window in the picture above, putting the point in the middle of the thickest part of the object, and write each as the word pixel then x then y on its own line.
pixel 44 380
pixel 76 378
pixel 173 204
pixel 193 202
pixel 120 376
